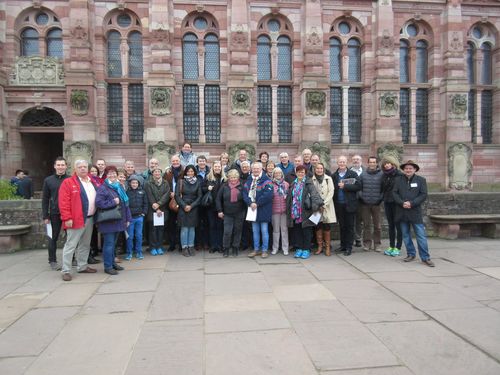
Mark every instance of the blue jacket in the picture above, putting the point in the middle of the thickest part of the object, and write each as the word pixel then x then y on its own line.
pixel 286 170
pixel 263 197
pixel 105 199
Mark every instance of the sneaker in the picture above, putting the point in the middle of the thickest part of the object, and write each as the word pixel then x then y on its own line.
pixel 429 262
pixel 285 252
pixel 118 267
pixel 160 251
pixel 395 252
pixel 298 253
pixel 253 254
pixel 55 266
pixel 264 255
pixel 274 252
pixel 154 252
pixel 111 271
pixel 185 252
pixel 389 251
pixel 376 248
pixel 366 246
pixel 305 254
pixel 66 276
pixel 139 256
pixel 128 257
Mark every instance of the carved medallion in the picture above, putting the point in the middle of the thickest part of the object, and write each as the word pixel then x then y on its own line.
pixel 235 149
pixel 460 166
pixel 37 71
pixel 79 102
pixel 161 101
pixel 314 39
pixel 456 41
pixel 160 36
pixel 80 34
pixel 77 151
pixel 240 102
pixel 315 103
pixel 391 152
pixel 386 42
pixel 239 37
pixel 389 104
pixel 162 152
pixel 458 106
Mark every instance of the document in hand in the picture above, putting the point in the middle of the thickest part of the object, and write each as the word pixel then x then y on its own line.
pixel 349 181
pixel 158 219
pixel 251 214
pixel 315 217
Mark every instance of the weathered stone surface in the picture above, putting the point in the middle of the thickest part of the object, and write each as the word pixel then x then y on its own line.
pixel 176 263
pixel 70 294
pixel 403 277
pixel 241 283
pixel 241 302
pixel 396 370
pixel 43 282
pixel 442 268
pixel 15 365
pixel 304 292
pixel 333 270
pixel 229 265
pixel 118 303
pixel 374 262
pixel 136 281
pixel 316 311
pixel 287 274
pixel 480 287
pixel 239 321
pixel 14 305
pixel 490 271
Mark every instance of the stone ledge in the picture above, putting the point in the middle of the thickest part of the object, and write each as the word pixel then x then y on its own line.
pixel 10 237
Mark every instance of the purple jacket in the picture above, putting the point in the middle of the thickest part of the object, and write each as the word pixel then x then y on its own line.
pixel 105 199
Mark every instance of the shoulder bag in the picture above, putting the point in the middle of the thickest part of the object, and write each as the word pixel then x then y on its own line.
pixel 109 214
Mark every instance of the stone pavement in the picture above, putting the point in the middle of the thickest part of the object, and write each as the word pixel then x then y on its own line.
pixel 363 314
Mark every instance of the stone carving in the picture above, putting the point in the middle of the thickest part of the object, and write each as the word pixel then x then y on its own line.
pixel 239 37
pixel 79 33
pixel 240 102
pixel 79 102
pixel 161 101
pixel 37 4
pixel 456 41
pixel 314 39
pixel 390 151
pixel 386 42
pixel 77 151
pixel 37 70
pixel 460 166
pixel 315 103
pixel 234 151
pixel 389 104
pixel 323 150
pixel 458 106
pixel 162 152
pixel 160 36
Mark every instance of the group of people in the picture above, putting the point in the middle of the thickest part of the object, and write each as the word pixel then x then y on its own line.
pixel 263 205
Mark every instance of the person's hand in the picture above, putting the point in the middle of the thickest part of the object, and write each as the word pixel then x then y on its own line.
pixel 69 223
pixel 117 200
pixel 187 208
pixel 46 221
pixel 210 188
pixel 172 194
pixel 341 185
pixel 159 212
pixel 221 215
pixel 253 206
pixel 322 208
pixel 155 206
pixel 407 204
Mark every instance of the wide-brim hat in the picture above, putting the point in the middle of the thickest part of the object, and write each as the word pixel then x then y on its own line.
pixel 410 162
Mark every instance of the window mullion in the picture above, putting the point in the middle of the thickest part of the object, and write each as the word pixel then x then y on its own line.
pixel 201 103
pixel 124 51
pixel 413 115
pixel 275 136
pixel 125 105
pixel 345 113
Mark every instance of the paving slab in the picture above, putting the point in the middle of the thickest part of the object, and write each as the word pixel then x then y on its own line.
pixel 8 260
pixel 134 281
pixel 368 261
pixel 241 302
pixel 230 265
pixel 6 288
pixel 32 333
pixel 149 262
pixel 45 281
pixel 15 365
pixel 464 257
pixel 277 259
pixel 240 321
pixel 70 294
pixel 242 283
pixel 490 271
pixel 317 311
pixel 407 276
pixel 287 274
pixel 428 348
pixel 177 262
pixel 120 303
pixel 493 304
pixel 395 370
pixel 338 269
pixel 479 287
pixel 443 268
pixel 21 272
pixel 257 353
pixel 15 305
pixel 168 348
pixel 304 292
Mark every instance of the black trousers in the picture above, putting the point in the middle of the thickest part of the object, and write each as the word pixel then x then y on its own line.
pixel 395 235
pixel 302 236
pixel 156 236
pixel 346 222
pixel 233 226
pixel 56 222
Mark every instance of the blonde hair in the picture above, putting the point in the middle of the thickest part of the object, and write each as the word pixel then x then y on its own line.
pixel 211 175
pixel 233 173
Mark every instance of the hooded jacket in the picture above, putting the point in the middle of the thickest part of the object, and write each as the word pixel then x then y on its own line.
pixel 137 199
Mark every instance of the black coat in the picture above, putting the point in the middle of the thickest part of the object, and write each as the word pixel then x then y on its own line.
pixel 137 202
pixel 310 195
pixel 187 194
pixel 223 201
pixel 50 193
pixel 351 199
pixel 413 190
pixel 217 183
pixel 157 194
pixel 388 184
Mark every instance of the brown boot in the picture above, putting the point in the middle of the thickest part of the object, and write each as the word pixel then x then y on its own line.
pixel 327 235
pixel 319 240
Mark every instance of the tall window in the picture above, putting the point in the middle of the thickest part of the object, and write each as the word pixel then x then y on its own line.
pixel 41 35
pixel 274 80
pixel 481 41
pixel 201 79
pixel 414 82
pixel 345 82
pixel 125 92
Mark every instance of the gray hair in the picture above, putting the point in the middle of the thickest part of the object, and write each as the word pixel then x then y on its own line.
pixel 233 173
pixel 81 161
pixel 283 154
pixel 245 162
pixel 257 164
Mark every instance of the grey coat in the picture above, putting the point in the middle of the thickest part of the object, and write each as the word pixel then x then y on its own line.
pixel 371 187
pixel 187 194
pixel 413 190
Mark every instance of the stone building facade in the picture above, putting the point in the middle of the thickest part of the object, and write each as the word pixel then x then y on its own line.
pixel 127 79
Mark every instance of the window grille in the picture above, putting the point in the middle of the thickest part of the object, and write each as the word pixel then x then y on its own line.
pixel 336 110
pixel 135 55
pixel 404 71
pixel 335 60
pixel 421 64
pixel 29 42
pixel 191 113
pixel 284 59
pixel 190 56
pixel 212 114
pixel 486 69
pixel 200 23
pixel 471 108
pixel 42 19
pixel 46 117
pixel 274 25
pixel 124 20
pixel 285 114
pixel 344 28
pixel 114 55
pixel 263 58
pixel 471 77
pixel 115 113
pixel 404 114
pixel 136 113
pixel 422 117
pixel 212 59
pixel 264 114
pixel 487 116
pixel 354 50
pixel 354 113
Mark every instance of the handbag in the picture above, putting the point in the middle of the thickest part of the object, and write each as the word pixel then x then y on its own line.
pixel 109 214
pixel 172 205
pixel 207 200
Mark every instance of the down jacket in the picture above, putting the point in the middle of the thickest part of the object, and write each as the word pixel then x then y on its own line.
pixel 371 187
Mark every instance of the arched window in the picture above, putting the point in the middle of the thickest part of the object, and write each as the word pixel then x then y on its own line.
pixel 487 63
pixel 404 66
pixel 284 58
pixel 212 58
pixel 335 60
pixel 135 69
pixel 471 54
pixel 353 46
pixel 114 54
pixel 421 63
pixel 263 57
pixel 40 34
pixel 190 56
pixel 45 117
pixel 55 43
pixel 29 42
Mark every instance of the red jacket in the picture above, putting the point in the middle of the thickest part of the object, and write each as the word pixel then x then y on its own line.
pixel 70 202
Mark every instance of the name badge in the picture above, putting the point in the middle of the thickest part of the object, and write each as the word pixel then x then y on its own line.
pixel 414 184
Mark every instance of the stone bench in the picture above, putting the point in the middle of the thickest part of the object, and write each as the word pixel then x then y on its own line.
pixel 463 226
pixel 10 237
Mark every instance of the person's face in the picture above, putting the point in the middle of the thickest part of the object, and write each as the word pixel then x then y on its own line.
pixel 278 175
pixel 245 168
pixel 319 170
pixel 153 163
pixel 306 155
pixel 134 184
pixel 314 159
pixel 256 170
pixel 409 170
pixel 94 171
pixel 356 161
pixel 82 170
pixel 176 162
pixel 60 167
pixel 130 168
pixel 156 174
pixel 264 158
pixel 224 159
pixel 270 168
pixel 342 163
pixel 112 176
pixel 217 168
pixel 101 165
pixel 202 163
pixel 300 174
pixel 387 166
pixel 297 161
pixel 233 179
pixel 186 147
pixel 284 159
pixel 122 178
pixel 190 173
pixel 372 164
pixel 243 155
pixel 20 175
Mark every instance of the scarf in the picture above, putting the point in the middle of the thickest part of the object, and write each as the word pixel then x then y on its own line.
pixel 319 178
pixel 157 182
pixel 176 172
pixel 234 191
pixel 252 194
pixel 281 186
pixel 298 189
pixel 191 180
pixel 116 186
pixel 389 172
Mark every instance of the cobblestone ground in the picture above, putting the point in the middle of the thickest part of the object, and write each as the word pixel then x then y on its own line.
pixel 363 314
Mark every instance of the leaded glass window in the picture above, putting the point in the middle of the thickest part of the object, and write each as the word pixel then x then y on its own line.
pixel 336 111
pixel 190 56
pixel 115 113
pixel 136 112
pixel 124 20
pixel 471 108
pixel 135 55
pixel 274 25
pixel 487 116
pixel 486 68
pixel 404 66
pixel 284 59
pixel 422 119
pixel 114 55
pixel 285 114
pixel 46 117
pixel 471 77
pixel 212 114
pixel 404 114
pixel 29 42
pixel 421 63
pixel 191 113
pixel 335 60
pixel 354 50
pixel 354 113
pixel 55 43
pixel 263 58
pixel 212 59
pixel 264 114
pixel 42 19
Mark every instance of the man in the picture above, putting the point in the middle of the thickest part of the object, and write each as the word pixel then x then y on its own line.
pixel 152 165
pixel 285 164
pixel 77 206
pixel 370 197
pixel 202 232
pixel 129 167
pixel 356 166
pixel 306 158
pixel 242 156
pixel 346 184
pixel 50 207
pixel 172 175
pixel 315 159
pixel 101 167
pixel 186 155
pixel 23 184
pixel 290 177
pixel 409 192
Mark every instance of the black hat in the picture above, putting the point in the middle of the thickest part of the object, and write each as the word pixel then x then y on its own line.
pixel 412 163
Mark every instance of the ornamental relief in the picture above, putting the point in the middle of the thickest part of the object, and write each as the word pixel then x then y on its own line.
pixel 386 43
pixel 79 34
pixel 389 104
pixel 161 101
pixel 458 106
pixel 77 151
pixel 79 102
pixel 460 166
pixel 315 103
pixel 160 36
pixel 240 102
pixel 314 39
pixel 37 71
pixel 239 37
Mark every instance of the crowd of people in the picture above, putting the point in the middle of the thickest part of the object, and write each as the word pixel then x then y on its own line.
pixel 263 206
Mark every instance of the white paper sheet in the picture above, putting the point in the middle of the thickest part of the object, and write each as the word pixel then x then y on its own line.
pixel 49 230
pixel 158 221
pixel 315 217
pixel 251 214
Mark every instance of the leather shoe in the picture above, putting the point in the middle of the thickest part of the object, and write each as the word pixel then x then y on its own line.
pixel 111 271
pixel 93 260
pixel 409 258
pixel 347 252
pixel 117 267
pixel 66 276
pixel 429 262
pixel 88 270
pixel 358 243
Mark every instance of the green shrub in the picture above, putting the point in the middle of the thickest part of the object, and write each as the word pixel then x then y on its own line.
pixel 7 191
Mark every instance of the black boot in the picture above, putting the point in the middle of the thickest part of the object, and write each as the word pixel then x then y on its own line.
pixel 226 252
pixel 235 251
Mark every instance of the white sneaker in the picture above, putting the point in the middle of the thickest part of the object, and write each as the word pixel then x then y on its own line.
pixel 274 252
pixel 285 252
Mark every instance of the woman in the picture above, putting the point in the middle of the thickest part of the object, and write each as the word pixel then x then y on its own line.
pixel 94 176
pixel 158 193
pixel 172 176
pixel 264 158
pixel 122 178
pixel 94 242
pixel 270 169
pixel 188 196
pixel 232 209
pixel 391 172
pixel 324 185
pixel 212 184
pixel 302 201
pixel 224 159
pixel 111 194
pixel 280 191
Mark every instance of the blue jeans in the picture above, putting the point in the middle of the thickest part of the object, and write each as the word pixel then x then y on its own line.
pixel 134 231
pixel 260 229
pixel 420 234
pixel 108 249
pixel 187 236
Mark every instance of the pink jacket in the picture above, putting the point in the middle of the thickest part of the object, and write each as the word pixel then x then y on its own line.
pixel 279 203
